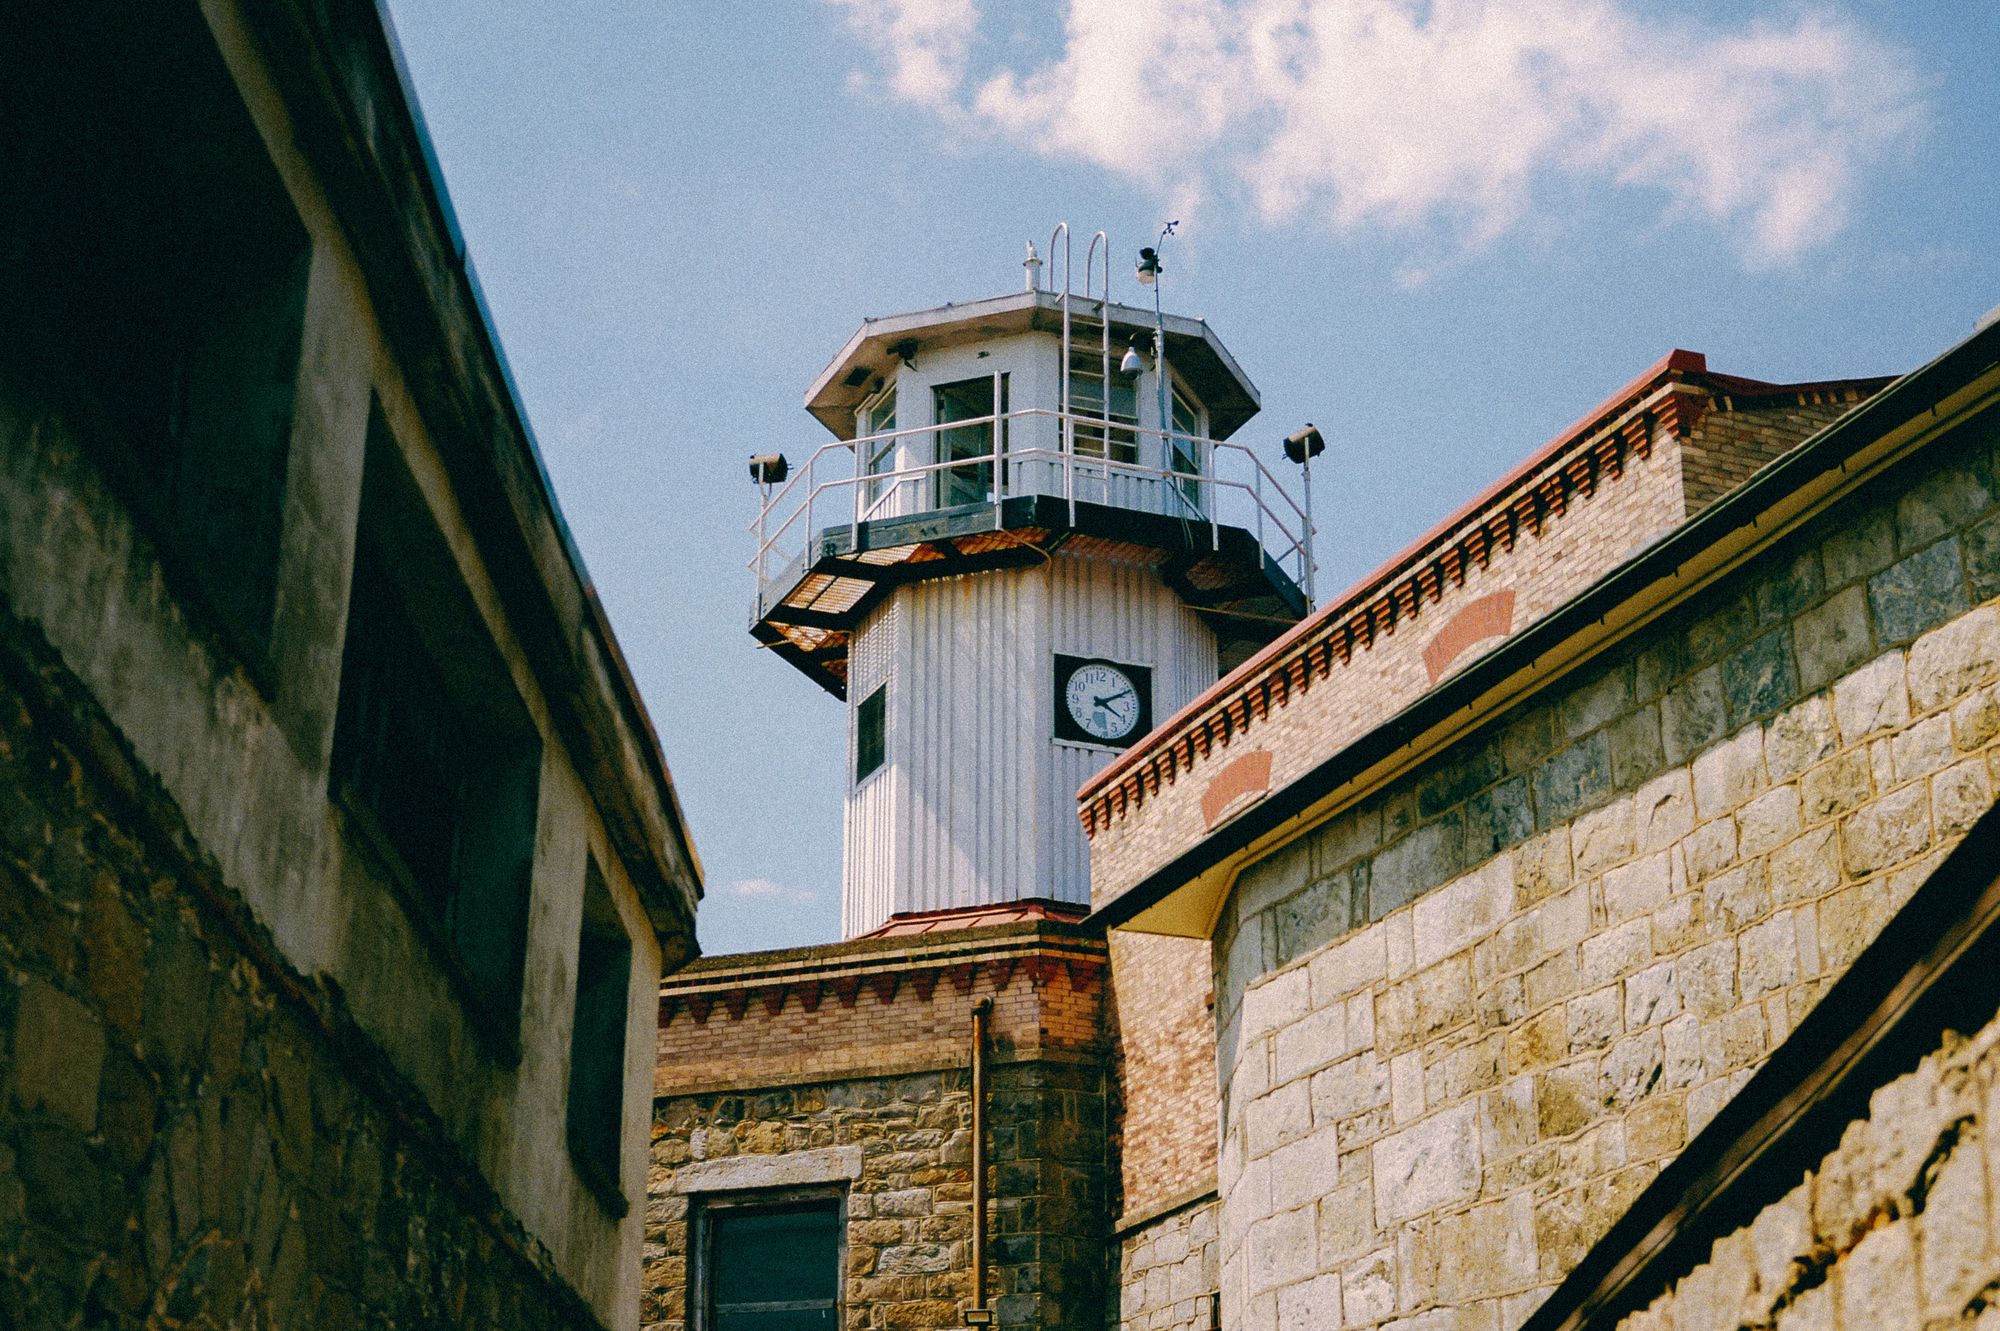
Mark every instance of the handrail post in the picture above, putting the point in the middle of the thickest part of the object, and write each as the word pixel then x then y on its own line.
pixel 1258 486
pixel 854 524
pixel 1214 499
pixel 1311 558
pixel 999 431
pixel 763 548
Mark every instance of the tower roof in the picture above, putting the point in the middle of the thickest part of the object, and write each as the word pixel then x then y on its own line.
pixel 1193 349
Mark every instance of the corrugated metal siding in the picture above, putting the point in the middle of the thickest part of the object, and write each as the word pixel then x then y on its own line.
pixel 976 804
pixel 868 827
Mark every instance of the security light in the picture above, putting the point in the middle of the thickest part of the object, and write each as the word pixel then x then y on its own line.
pixel 769 468
pixel 1305 442
pixel 1132 362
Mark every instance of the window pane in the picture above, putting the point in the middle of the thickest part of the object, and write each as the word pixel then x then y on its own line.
pixel 870 732
pixel 597 1041
pixel 776 1257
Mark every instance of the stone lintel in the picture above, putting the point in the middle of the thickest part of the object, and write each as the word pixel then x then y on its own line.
pixel 829 1164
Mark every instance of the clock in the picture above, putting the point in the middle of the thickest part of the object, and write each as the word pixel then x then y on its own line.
pixel 1102 702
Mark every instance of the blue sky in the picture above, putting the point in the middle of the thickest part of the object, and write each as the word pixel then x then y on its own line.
pixel 1441 229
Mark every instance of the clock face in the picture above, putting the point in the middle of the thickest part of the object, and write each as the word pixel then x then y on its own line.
pixel 1101 702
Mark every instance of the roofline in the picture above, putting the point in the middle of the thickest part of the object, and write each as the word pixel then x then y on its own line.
pixel 357 120
pixel 1177 325
pixel 1675 366
pixel 1580 619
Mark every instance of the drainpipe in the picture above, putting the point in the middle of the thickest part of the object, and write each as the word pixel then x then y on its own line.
pixel 979 1314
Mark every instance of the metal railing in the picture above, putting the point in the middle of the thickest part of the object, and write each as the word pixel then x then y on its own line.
pixel 1027 452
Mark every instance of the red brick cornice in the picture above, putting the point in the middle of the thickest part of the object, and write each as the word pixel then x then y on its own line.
pixel 1525 502
pixel 852 975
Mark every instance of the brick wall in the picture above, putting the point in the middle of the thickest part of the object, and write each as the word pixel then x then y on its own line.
pixel 879 1006
pixel 1474 1014
pixel 1164 1069
pixel 1737 437
pixel 1542 570
pixel 192 1133
pixel 1324 706
pixel 1893 1231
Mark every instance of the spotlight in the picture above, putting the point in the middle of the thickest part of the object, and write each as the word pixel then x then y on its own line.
pixel 769 468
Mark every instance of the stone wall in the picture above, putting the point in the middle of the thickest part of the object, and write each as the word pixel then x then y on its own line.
pixel 1169 1271
pixel 1893 1231
pixel 1474 1014
pixel 191 1132
pixel 239 732
pixel 909 1202
pixel 864 1047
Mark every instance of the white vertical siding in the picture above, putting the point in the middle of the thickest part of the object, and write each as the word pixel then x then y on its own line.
pixel 867 831
pixel 976 802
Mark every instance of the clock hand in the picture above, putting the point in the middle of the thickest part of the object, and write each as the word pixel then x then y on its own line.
pixel 1113 698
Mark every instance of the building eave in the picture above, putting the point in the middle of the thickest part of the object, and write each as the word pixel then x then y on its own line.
pixel 1192 348
pixel 356 120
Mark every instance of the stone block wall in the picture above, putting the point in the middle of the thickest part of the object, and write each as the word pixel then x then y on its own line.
pixel 191 1132
pixel 1168 1271
pixel 1464 1022
pixel 1896 1229
pixel 864 1047
pixel 909 1204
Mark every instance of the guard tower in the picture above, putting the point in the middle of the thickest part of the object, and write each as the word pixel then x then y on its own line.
pixel 1031 538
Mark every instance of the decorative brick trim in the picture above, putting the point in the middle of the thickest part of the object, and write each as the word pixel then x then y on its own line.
pixel 1488 617
pixel 1668 401
pixel 889 979
pixel 1249 775
pixel 1396 597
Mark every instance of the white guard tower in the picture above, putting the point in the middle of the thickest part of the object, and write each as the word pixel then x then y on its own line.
pixel 1011 568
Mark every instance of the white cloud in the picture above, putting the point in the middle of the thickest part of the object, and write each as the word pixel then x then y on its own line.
pixel 766 889
pixel 1411 114
pixel 925 43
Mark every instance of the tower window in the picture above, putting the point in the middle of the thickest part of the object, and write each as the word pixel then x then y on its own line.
pixel 1184 455
pixel 870 733
pixel 1087 398
pixel 434 756
pixel 773 1266
pixel 878 417
pixel 151 261
pixel 969 448
pixel 597 1041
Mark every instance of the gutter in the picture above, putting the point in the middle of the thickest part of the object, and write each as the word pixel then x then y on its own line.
pixel 1482 688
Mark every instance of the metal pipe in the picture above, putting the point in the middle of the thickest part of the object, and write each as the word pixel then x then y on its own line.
pixel 980 1012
